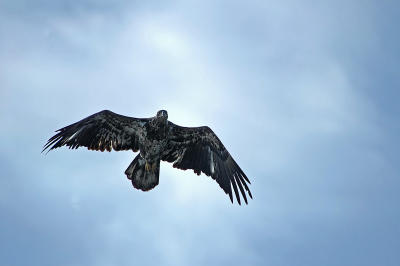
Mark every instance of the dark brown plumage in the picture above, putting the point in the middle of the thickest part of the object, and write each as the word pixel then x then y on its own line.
pixel 156 138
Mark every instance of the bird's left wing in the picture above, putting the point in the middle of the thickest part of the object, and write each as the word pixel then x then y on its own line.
pixel 198 148
pixel 104 130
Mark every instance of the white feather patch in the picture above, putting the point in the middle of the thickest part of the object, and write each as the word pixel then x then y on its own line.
pixel 212 161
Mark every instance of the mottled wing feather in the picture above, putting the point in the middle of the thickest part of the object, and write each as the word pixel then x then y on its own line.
pixel 104 130
pixel 198 148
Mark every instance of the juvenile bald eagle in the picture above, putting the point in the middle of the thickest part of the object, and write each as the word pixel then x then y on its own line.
pixel 196 148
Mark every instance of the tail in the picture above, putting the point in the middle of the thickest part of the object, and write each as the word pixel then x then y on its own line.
pixel 141 178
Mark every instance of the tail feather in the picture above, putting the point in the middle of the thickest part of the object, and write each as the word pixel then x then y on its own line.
pixel 142 179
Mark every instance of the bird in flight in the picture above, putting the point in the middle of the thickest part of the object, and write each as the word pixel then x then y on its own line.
pixel 157 138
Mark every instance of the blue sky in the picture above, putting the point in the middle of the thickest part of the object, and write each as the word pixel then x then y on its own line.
pixel 304 95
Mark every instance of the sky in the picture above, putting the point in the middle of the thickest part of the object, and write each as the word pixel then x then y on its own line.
pixel 303 94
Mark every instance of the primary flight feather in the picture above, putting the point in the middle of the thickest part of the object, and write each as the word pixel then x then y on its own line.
pixel 196 148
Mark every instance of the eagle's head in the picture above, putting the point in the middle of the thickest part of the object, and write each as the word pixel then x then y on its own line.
pixel 162 115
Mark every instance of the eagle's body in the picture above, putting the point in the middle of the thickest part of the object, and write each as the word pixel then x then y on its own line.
pixel 156 138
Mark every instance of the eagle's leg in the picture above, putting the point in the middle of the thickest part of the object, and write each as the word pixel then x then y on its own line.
pixel 154 167
pixel 151 167
pixel 147 167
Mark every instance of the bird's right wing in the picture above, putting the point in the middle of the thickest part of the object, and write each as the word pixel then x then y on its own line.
pixel 200 149
pixel 104 130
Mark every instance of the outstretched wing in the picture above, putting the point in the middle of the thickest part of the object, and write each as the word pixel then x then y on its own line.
pixel 198 148
pixel 104 130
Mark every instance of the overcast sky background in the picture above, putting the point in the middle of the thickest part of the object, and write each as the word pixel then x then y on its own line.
pixel 303 94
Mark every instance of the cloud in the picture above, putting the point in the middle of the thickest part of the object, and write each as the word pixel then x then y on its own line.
pixel 279 82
